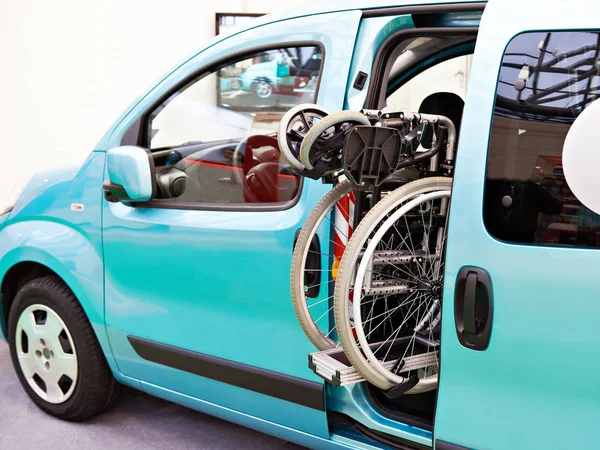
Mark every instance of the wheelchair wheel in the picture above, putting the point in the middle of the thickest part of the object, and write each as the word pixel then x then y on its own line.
pixel 392 271
pixel 314 266
pixel 293 127
pixel 328 131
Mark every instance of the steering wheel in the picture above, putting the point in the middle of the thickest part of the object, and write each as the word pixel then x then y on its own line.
pixel 294 125
pixel 237 163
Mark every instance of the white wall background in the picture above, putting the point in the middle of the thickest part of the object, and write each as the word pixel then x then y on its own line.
pixel 70 67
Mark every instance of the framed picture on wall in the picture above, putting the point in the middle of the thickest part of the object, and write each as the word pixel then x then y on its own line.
pixel 228 22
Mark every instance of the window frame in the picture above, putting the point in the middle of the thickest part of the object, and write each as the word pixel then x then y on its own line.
pixel 136 133
pixel 540 245
pixel 463 49
pixel 382 64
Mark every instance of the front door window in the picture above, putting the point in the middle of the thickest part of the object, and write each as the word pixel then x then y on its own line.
pixel 213 140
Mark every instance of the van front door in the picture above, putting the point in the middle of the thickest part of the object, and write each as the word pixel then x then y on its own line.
pixel 521 310
pixel 197 280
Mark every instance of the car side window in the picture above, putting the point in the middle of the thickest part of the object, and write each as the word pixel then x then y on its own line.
pixel 214 140
pixel 546 81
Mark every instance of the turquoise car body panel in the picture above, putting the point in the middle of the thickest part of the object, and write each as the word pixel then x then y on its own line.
pixel 273 427
pixel 512 395
pixel 43 228
pixel 169 311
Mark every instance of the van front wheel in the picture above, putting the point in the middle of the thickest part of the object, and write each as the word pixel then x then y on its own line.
pixel 55 352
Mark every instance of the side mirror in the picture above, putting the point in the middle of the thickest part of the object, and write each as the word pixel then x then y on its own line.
pixel 581 157
pixel 131 175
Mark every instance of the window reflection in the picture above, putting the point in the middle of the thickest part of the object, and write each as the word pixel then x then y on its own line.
pixel 277 79
pixel 546 81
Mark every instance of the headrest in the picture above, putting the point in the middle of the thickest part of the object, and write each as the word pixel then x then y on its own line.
pixel 444 104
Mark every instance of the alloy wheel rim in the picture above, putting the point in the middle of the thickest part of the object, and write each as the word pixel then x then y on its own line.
pixel 263 89
pixel 46 354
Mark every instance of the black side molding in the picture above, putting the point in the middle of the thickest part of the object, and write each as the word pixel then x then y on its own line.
pixel 441 445
pixel 284 387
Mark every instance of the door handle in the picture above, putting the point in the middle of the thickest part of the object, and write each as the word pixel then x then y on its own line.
pixel 473 307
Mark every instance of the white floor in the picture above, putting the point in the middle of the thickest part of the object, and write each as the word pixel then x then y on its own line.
pixel 137 421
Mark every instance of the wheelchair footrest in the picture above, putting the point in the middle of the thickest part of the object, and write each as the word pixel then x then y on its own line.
pixel 333 365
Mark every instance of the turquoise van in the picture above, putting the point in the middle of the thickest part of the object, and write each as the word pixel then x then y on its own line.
pixel 164 262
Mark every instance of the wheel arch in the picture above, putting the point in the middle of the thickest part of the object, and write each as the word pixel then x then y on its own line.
pixel 22 265
pixel 80 267
pixel 14 279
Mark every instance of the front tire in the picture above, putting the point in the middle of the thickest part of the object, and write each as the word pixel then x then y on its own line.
pixel 55 352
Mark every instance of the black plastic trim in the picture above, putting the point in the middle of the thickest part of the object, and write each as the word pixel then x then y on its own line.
pixel 425 9
pixel 284 387
pixel 389 440
pixel 114 193
pixel 360 80
pixel 473 307
pixel 443 445
pixel 133 135
pixel 398 416
pixel 152 173
pixel 375 94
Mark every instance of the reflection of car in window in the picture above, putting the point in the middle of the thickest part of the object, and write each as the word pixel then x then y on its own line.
pixel 285 74
pixel 263 77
